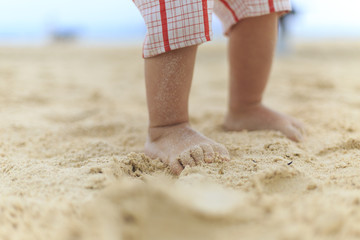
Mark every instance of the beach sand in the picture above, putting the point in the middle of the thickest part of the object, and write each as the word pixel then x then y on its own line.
pixel 73 122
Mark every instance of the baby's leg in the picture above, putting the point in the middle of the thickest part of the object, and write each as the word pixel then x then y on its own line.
pixel 168 81
pixel 251 48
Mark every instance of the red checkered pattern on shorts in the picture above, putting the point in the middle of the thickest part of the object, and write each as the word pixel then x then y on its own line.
pixel 232 11
pixel 173 24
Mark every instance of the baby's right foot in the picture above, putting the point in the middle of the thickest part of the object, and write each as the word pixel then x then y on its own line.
pixel 180 145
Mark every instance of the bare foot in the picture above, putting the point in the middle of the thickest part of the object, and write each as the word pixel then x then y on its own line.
pixel 180 145
pixel 259 117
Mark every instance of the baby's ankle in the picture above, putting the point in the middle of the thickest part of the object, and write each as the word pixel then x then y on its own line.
pixel 156 132
pixel 244 107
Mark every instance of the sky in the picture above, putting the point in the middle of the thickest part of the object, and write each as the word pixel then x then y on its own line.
pixel 120 20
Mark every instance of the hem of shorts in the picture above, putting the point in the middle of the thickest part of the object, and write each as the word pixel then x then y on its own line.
pixel 281 12
pixel 174 46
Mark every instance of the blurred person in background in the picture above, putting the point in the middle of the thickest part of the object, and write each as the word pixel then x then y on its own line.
pixel 174 30
pixel 284 45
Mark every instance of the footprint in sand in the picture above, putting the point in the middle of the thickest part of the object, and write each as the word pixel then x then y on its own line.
pixel 67 116
pixel 350 144
pixel 282 180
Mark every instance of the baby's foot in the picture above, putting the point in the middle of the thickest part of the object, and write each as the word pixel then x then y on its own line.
pixel 180 145
pixel 259 117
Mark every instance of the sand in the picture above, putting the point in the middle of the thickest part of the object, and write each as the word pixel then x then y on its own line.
pixel 73 123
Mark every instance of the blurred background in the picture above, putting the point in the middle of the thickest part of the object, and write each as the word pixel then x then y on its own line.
pixel 118 21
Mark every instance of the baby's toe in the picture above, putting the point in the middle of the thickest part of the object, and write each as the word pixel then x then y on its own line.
pixel 209 154
pixel 297 124
pixel 197 154
pixel 175 167
pixel 185 159
pixel 222 151
pixel 293 133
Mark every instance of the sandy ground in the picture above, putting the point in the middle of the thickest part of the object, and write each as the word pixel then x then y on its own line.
pixel 73 123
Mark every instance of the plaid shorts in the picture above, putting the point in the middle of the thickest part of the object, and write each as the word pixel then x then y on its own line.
pixel 173 24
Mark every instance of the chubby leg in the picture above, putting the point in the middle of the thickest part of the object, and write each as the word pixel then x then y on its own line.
pixel 168 81
pixel 251 48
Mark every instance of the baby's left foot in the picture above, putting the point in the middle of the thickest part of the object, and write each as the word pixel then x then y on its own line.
pixel 259 117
